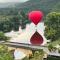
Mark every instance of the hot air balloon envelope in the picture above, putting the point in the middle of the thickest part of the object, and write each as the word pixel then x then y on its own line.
pixel 36 39
pixel 35 16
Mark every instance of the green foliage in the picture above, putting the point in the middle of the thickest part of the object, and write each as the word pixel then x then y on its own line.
pixel 5 24
pixel 23 19
pixel 50 47
pixel 3 37
pixel 5 54
pixel 52 23
pixel 8 23
pixel 12 17
pixel 37 55
pixel 44 5
pixel 53 58
pixel 26 58
pixel 54 43
pixel 15 23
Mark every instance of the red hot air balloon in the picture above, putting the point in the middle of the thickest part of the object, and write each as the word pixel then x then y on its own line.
pixel 35 16
pixel 36 39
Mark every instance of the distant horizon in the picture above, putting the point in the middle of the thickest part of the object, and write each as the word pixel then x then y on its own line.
pixel 11 1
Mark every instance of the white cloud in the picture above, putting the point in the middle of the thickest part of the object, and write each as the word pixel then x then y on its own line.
pixel 3 1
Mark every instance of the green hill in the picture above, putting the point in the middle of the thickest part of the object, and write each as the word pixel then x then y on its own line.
pixel 12 12
pixel 44 5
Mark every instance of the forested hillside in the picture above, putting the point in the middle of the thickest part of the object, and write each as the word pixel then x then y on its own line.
pixel 16 12
pixel 44 5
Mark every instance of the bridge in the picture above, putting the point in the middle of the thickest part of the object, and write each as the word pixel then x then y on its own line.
pixel 23 45
pixel 29 46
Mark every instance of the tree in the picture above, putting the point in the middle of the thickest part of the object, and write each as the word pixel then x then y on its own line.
pixel 3 37
pixel 9 23
pixel 23 19
pixel 5 24
pixel 5 54
pixel 38 55
pixel 15 23
pixel 52 23
pixel 50 47
pixel 26 58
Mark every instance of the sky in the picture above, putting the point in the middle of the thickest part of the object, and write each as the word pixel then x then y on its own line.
pixel 4 1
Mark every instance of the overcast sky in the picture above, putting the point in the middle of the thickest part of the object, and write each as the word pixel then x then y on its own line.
pixel 3 1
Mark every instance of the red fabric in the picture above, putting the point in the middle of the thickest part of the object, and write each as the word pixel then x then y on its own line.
pixel 35 16
pixel 36 39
